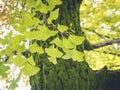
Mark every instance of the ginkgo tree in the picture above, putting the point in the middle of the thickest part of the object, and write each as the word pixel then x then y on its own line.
pixel 54 58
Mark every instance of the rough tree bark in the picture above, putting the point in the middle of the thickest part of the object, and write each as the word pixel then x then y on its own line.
pixel 65 75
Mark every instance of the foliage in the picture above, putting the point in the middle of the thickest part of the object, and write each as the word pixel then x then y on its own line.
pixel 99 20
pixel 43 35
pixel 35 30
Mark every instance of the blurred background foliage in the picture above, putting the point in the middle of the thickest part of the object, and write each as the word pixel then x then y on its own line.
pixel 100 20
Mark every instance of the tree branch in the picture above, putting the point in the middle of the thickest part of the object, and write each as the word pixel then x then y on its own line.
pixel 102 44
pixel 105 52
pixel 100 35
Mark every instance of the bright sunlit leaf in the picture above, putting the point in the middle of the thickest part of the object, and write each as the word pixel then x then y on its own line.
pixel 77 40
pixel 53 60
pixel 77 55
pixel 30 70
pixel 31 61
pixel 62 28
pixel 53 52
pixel 19 60
pixel 35 48
pixel 53 16
pixel 58 42
pixel 67 43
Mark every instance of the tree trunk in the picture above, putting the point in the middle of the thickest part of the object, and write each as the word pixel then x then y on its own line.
pixel 66 74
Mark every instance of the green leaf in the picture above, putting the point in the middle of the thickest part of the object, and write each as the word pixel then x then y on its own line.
pixel 19 60
pixel 43 34
pixel 35 48
pixel 46 33
pixel 52 4
pixel 32 3
pixel 77 40
pixel 14 82
pixel 62 28
pixel 67 56
pixel 27 20
pixel 31 61
pixel 16 41
pixel 42 7
pixel 66 50
pixel 58 42
pixel 53 16
pixel 9 51
pixel 13 85
pixel 77 55
pixel 4 70
pixel 30 70
pixel 53 52
pixel 32 35
pixel 67 43
pixel 53 60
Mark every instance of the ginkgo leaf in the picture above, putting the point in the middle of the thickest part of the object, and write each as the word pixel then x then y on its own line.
pixel 58 42
pixel 62 28
pixel 67 56
pixel 45 33
pixel 66 50
pixel 77 40
pixel 56 2
pixel 35 48
pixel 42 7
pixel 31 61
pixel 53 52
pixel 53 3
pixel 77 55
pixel 27 22
pixel 14 83
pixel 30 70
pixel 67 43
pixel 32 35
pixel 9 51
pixel 32 3
pixel 16 41
pixel 19 60
pixel 4 69
pixel 53 60
pixel 53 16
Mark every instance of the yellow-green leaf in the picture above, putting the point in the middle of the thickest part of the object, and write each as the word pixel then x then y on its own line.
pixel 67 43
pixel 53 52
pixel 31 61
pixel 53 16
pixel 53 60
pixel 30 70
pixel 62 28
pixel 16 41
pixel 45 33
pixel 67 56
pixel 42 7
pixel 19 60
pixel 58 42
pixel 35 48
pixel 77 40
pixel 32 35
pixel 77 55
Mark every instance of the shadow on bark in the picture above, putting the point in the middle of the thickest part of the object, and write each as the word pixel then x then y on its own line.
pixel 108 80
